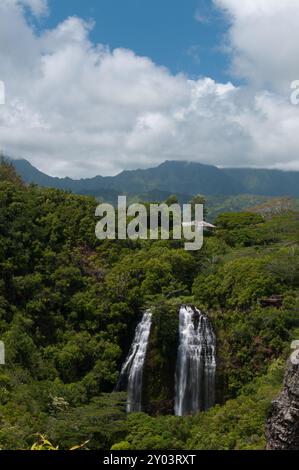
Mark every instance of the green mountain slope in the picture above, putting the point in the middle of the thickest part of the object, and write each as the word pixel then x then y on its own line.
pixel 173 177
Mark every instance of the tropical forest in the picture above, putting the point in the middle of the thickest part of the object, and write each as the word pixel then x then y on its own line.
pixel 140 344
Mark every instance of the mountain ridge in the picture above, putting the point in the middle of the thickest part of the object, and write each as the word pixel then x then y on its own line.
pixel 182 177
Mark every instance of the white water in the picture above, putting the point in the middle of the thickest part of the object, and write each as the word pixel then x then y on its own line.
pixel 196 363
pixel 132 369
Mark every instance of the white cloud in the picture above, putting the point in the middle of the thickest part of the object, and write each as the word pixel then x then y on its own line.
pixel 78 109
pixel 264 38
pixel 37 7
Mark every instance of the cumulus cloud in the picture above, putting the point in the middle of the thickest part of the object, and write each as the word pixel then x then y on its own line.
pixel 78 109
pixel 37 7
pixel 264 39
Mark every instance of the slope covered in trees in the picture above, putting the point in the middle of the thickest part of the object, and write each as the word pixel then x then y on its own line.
pixel 69 305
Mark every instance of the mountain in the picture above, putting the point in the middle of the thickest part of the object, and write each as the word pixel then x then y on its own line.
pixel 266 182
pixel 185 178
pixel 176 176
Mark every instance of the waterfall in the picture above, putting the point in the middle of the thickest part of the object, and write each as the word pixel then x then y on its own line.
pixel 196 363
pixel 132 369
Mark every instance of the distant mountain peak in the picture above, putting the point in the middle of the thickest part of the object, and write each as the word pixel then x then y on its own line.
pixel 175 177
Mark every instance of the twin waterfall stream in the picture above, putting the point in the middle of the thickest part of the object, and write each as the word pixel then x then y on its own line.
pixel 132 369
pixel 196 363
pixel 195 367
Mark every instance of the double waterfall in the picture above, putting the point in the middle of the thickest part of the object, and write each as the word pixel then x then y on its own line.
pixel 195 368
pixel 196 363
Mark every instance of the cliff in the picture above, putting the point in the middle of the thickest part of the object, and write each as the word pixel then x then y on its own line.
pixel 282 428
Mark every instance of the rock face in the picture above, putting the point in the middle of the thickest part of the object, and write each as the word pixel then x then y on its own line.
pixel 282 428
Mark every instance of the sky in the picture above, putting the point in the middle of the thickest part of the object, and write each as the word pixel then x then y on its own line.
pixel 95 87
pixel 182 35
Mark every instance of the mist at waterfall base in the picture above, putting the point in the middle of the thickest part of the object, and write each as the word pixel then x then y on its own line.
pixel 195 368
pixel 132 369
pixel 196 363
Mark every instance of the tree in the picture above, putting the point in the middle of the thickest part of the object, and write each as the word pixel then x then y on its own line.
pixel 198 199
pixel 173 199
pixel 8 172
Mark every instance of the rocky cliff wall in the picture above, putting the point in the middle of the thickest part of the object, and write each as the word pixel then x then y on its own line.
pixel 282 428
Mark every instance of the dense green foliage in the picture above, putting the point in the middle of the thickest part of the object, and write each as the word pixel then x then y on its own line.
pixel 238 425
pixel 69 305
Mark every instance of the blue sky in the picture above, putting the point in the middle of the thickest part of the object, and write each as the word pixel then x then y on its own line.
pixel 167 31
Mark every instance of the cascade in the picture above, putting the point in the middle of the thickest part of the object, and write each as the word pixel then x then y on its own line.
pixel 196 363
pixel 132 369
